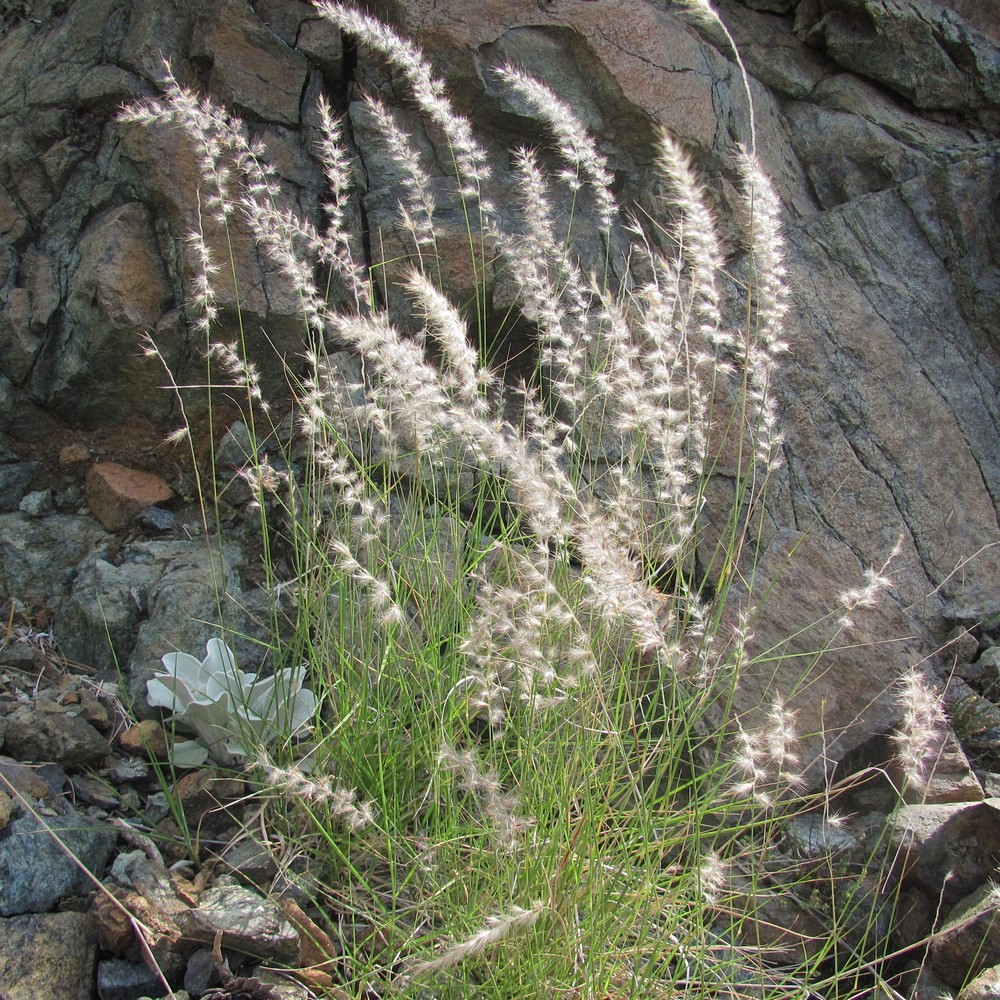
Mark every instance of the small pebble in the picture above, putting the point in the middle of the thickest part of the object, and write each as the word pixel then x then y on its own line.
pixel 156 518
pixel 146 739
pixel 127 769
pixel 71 454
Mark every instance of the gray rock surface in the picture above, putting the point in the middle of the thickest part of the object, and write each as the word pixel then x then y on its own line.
pixel 923 50
pixel 34 874
pixel 197 587
pixel 248 922
pixel 121 980
pixel 46 956
pixel 968 943
pixel 984 987
pixel 44 732
pixel 39 557
pixel 14 479
pixel 956 840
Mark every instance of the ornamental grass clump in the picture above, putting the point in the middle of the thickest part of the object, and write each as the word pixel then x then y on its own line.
pixel 519 776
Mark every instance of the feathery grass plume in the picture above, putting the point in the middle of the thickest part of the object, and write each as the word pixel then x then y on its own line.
pixel 322 790
pixel 238 177
pixel 713 876
pixel 876 583
pixel 525 635
pixel 203 297
pixel 923 729
pixel 696 237
pixel 290 241
pixel 553 292
pixel 210 130
pixel 770 304
pixel 335 248
pixel 428 90
pixel 463 376
pixel 387 611
pixel 766 758
pixel 241 371
pixel 576 147
pixel 416 210
pixel 591 680
pixel 517 920
pixel 500 808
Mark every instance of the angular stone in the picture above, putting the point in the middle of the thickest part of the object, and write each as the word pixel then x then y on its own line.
pixel 248 922
pixel 252 71
pixel 115 494
pixel 99 621
pixel 57 737
pixel 46 956
pixel 39 557
pixel 26 780
pixel 14 479
pixel 919 48
pixel 844 698
pixel 94 792
pixel 156 906
pixel 121 980
pixel 207 796
pixel 37 504
pixel 183 598
pixel 969 941
pixel 251 861
pixel 929 987
pixel 812 836
pixel 74 454
pixel 118 292
pixel 112 927
pixel 284 18
pixel 147 739
pixel 958 840
pixel 201 973
pixel 986 986
pixel 976 719
pixel 323 47
pixel 34 873
pixel 156 518
pixel 782 925
pixel 950 777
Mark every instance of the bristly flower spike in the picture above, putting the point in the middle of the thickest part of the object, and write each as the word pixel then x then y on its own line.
pixel 428 90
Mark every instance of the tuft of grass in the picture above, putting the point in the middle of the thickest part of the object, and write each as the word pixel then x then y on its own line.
pixel 525 776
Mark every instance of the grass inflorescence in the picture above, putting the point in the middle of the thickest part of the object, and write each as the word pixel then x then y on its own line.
pixel 522 779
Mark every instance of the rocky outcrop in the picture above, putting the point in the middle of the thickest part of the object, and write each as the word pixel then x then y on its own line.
pixel 877 120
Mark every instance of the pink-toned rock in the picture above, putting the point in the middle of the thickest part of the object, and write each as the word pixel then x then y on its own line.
pixel 147 738
pixel 951 778
pixel 72 454
pixel 115 494
pixel 23 779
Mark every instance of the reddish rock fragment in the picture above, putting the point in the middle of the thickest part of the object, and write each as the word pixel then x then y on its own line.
pixel 115 494
pixel 73 454
pixel 146 739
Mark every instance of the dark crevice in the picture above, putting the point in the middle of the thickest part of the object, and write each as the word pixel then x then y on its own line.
pixel 341 101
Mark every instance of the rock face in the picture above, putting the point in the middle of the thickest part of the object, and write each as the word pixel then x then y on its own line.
pixel 876 118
